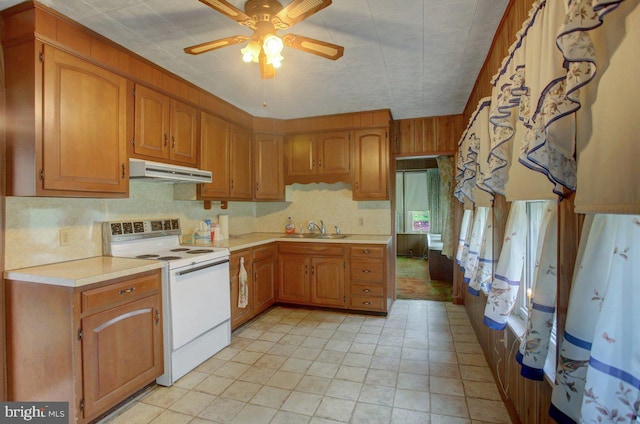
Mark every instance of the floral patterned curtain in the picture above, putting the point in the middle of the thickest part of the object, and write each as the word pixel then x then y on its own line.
pixel 541 311
pixel 475 243
pixel 480 279
pixel 506 281
pixel 465 236
pixel 598 374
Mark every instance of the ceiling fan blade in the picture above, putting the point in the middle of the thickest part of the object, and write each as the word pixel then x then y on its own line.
pixel 296 11
pixel 215 44
pixel 317 47
pixel 267 71
pixel 231 11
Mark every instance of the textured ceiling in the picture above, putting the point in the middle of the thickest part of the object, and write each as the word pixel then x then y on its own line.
pixel 416 57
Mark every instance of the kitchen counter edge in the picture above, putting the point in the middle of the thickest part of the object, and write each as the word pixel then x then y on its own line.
pixel 82 272
pixel 246 241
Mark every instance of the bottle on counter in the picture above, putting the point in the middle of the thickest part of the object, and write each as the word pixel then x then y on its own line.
pixel 290 227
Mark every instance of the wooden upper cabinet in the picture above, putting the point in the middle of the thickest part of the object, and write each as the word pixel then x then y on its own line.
pixel 268 167
pixel 322 157
pixel 214 156
pixel 428 136
pixel 241 172
pixel 165 129
pixel 226 151
pixel 184 134
pixel 300 155
pixel 370 177
pixel 68 133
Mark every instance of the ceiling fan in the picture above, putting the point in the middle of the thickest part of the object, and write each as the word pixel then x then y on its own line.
pixel 265 18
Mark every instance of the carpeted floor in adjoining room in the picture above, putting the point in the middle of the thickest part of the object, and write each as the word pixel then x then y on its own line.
pixel 413 281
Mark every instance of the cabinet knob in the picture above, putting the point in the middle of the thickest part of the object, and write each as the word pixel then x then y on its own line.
pixel 127 291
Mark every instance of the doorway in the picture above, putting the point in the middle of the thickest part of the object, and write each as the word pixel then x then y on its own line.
pixel 418 217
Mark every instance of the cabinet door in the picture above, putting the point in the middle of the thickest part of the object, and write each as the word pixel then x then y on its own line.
pixel 293 278
pixel 214 156
pixel 333 153
pixel 121 352
pixel 269 172
pixel 240 315
pixel 241 172
pixel 327 281
pixel 152 111
pixel 184 134
pixel 264 279
pixel 300 155
pixel 85 126
pixel 371 165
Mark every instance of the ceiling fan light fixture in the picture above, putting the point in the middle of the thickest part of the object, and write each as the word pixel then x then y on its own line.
pixel 251 52
pixel 272 45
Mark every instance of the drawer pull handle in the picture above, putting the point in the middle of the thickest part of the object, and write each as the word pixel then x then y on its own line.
pixel 127 291
pixel 366 290
pixel 157 316
pixel 366 251
pixel 366 303
pixel 366 271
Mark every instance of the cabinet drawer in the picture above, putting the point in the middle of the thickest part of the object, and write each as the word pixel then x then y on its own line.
pixel 367 290
pixel 311 249
pixel 117 293
pixel 368 302
pixel 367 251
pixel 366 271
pixel 263 252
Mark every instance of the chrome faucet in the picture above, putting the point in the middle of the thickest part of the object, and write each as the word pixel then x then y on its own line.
pixel 320 228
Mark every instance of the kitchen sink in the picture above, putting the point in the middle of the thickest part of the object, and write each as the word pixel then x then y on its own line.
pixel 297 235
pixel 331 236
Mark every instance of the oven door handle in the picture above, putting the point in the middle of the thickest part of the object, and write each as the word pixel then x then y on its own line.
pixel 198 268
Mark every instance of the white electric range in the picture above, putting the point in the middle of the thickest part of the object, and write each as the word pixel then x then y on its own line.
pixel 195 290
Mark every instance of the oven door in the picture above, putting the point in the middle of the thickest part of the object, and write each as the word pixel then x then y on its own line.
pixel 199 299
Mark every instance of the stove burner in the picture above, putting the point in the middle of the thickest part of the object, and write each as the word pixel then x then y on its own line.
pixel 148 256
pixel 198 251
pixel 180 249
pixel 169 258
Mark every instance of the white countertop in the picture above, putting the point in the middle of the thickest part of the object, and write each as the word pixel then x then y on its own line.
pixel 82 272
pixel 245 241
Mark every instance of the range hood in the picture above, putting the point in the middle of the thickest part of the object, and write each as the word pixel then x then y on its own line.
pixel 166 173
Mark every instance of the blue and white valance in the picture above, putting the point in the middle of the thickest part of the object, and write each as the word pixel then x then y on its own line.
pixel 598 374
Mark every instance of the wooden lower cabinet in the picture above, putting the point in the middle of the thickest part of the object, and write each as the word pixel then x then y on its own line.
pixel 92 346
pixel 260 264
pixel 367 278
pixel 311 274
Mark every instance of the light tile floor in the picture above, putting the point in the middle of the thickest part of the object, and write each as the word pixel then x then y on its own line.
pixel 420 364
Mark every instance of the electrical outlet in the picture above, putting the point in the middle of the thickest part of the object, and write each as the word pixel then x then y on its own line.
pixel 65 237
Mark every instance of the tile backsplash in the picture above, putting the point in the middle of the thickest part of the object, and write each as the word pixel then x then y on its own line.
pixel 33 224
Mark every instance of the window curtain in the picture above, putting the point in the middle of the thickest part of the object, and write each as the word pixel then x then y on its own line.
pixel 506 280
pixel 470 263
pixel 541 310
pixel 445 167
pixel 434 198
pixel 598 375
pixel 480 278
pixel 465 236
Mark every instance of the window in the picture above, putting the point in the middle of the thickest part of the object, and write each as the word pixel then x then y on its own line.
pixel 417 201
pixel 535 211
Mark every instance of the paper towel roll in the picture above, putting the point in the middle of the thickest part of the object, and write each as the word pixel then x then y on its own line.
pixel 223 220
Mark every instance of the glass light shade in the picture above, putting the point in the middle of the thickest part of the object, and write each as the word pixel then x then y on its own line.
pixel 276 61
pixel 272 45
pixel 251 52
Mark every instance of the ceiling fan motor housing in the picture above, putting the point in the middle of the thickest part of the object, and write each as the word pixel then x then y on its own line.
pixel 262 10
